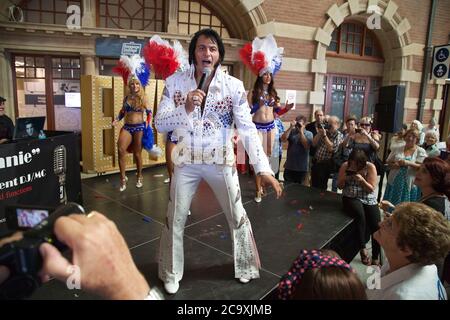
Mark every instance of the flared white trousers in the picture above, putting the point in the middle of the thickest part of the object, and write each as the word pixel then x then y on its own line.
pixel 224 182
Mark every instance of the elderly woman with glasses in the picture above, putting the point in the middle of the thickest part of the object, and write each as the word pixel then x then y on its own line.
pixel 404 163
pixel 412 249
pixel 430 144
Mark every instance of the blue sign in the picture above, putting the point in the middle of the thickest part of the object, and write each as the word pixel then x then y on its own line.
pixel 440 70
pixel 442 55
pixel 441 62
pixel 114 48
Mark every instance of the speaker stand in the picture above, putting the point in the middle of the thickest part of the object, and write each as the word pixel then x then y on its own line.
pixel 380 184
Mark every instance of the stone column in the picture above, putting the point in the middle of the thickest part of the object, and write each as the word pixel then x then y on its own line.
pixel 88 19
pixel 172 25
pixel 89 64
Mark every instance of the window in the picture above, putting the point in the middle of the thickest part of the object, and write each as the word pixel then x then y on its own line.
pixel 355 40
pixel 66 68
pixel 350 95
pixel 192 16
pixel 131 14
pixel 49 86
pixel 47 11
pixel 30 67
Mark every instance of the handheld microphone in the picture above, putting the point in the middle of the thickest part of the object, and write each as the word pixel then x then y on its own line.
pixel 203 80
pixel 59 167
pixel 202 84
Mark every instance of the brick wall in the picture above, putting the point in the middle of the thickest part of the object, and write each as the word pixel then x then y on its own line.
pixel 442 23
pixel 414 91
pixel 294 80
pixel 312 13
pixel 416 11
pixel 302 12
pixel 295 48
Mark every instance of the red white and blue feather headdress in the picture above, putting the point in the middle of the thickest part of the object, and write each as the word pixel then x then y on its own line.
pixel 165 59
pixel 262 55
pixel 133 67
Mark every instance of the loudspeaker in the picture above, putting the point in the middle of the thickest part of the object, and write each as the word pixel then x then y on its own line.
pixel 389 110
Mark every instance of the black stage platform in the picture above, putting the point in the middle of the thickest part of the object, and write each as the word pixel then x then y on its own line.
pixel 302 218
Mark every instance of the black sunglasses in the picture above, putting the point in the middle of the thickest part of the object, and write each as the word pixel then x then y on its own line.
pixel 364 124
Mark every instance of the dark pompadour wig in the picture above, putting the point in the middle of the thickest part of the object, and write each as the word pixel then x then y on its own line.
pixel 210 34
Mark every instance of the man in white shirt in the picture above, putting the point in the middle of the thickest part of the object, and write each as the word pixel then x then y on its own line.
pixel 413 239
pixel 201 106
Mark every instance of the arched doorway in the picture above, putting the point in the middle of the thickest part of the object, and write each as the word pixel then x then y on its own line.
pixel 393 39
pixel 354 71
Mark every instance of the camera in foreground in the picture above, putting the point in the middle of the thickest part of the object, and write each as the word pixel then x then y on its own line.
pixel 22 257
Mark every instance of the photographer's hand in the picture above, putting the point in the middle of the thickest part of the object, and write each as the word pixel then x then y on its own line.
pixel 101 253
pixel 322 132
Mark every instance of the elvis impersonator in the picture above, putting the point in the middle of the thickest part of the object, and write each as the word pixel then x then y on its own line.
pixel 202 105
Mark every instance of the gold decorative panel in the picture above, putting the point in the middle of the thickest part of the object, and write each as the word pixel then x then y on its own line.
pixel 101 101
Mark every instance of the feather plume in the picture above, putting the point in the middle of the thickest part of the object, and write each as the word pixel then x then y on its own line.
pixel 262 55
pixel 164 59
pixel 133 66
pixel 122 70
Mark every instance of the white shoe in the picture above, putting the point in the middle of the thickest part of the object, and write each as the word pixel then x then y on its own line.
pixel 258 197
pixel 189 212
pixel 244 280
pixel 123 184
pixel 171 287
pixel 139 183
pixel 167 180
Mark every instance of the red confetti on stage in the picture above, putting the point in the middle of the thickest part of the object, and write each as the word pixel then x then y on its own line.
pixel 299 226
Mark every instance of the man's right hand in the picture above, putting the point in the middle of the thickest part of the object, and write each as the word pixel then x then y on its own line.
pixel 193 99
pixel 101 254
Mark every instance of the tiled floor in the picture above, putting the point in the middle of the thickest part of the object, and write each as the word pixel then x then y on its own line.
pixel 280 228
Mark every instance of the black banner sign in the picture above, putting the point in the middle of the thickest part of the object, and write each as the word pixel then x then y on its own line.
pixel 40 172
